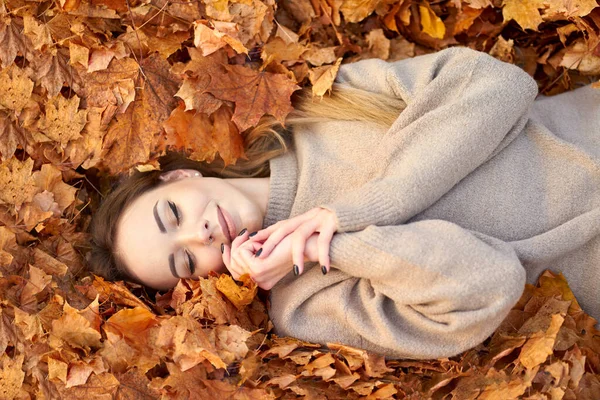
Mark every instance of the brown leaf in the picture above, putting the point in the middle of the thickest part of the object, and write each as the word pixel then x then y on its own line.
pixel 12 41
pixel 53 71
pixel 210 40
pixel 73 329
pixel 265 93
pixel 187 343
pixel 11 135
pixel 540 345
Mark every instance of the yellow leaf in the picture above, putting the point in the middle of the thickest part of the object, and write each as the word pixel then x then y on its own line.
pixel 524 12
pixel 18 186
pixel 240 296
pixel 537 349
pixel 431 23
pixel 322 77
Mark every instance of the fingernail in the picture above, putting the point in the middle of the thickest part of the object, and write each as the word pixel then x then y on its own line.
pixel 258 252
pixel 252 234
pixel 323 269
pixel 222 248
pixel 242 232
pixel 296 270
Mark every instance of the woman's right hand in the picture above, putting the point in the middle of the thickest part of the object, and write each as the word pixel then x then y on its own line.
pixel 266 272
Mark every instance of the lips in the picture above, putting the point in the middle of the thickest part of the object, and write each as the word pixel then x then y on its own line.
pixel 226 223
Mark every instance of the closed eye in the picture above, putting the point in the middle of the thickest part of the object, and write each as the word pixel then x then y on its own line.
pixel 173 208
pixel 191 263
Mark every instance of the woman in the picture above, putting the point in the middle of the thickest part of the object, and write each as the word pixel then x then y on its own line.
pixel 403 215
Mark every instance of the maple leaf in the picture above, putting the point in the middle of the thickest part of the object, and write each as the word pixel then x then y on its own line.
pixel 17 182
pixel 187 342
pixel 7 241
pixel 263 93
pixel 12 41
pixel 130 137
pixel 357 10
pixel 11 136
pixel 524 12
pixel 322 77
pixel 39 34
pixel 73 329
pixel 210 40
pixel 53 71
pixel 15 88
pixel 202 136
pixel 63 120
pixel 115 292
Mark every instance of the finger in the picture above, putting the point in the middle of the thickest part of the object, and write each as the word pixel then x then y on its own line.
pixel 298 246
pixel 323 245
pixel 233 270
pixel 288 228
pixel 285 226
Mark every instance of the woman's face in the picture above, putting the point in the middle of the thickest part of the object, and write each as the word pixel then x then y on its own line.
pixel 164 234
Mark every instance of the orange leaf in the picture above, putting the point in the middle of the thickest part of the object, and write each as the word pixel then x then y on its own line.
pixel 240 296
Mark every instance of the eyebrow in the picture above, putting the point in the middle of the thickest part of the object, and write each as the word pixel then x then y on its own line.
pixel 161 226
pixel 172 265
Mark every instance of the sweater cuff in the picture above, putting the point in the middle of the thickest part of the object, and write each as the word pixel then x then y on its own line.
pixel 355 214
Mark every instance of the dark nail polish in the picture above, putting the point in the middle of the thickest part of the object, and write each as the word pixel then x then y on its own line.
pixel 253 233
pixel 258 252
pixel 296 270
pixel 242 232
pixel 222 248
pixel 323 269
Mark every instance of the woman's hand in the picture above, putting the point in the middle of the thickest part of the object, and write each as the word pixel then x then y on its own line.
pixel 266 272
pixel 299 229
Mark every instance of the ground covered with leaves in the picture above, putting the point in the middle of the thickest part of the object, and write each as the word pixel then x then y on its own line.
pixel 92 88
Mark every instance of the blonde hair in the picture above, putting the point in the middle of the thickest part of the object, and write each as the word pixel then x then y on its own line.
pixel 265 141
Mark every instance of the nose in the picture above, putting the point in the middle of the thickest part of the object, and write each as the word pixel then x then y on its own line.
pixel 198 234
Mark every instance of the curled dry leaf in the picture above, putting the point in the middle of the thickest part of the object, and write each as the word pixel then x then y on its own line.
pixel 240 296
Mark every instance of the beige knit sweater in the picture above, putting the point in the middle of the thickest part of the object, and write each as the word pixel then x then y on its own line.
pixel 443 217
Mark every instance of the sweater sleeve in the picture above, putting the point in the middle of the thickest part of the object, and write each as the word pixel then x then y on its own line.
pixel 427 289
pixel 463 107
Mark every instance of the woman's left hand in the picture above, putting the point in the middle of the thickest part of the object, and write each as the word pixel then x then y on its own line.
pixel 300 228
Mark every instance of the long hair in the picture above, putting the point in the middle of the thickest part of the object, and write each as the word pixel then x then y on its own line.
pixel 265 141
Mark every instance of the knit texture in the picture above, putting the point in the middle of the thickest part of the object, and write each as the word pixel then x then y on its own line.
pixel 475 189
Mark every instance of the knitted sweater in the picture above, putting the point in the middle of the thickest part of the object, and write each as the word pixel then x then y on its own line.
pixel 475 189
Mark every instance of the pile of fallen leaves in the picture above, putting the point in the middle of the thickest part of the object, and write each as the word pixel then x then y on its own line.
pixel 91 88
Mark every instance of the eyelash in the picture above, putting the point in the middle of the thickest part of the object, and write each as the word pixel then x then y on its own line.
pixel 191 263
pixel 173 208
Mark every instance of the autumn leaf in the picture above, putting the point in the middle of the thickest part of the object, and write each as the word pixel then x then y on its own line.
pixel 17 183
pixel 322 78
pixel 357 10
pixel 12 41
pixel 431 23
pixel 264 93
pixel 203 136
pixel 74 330
pixel 240 296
